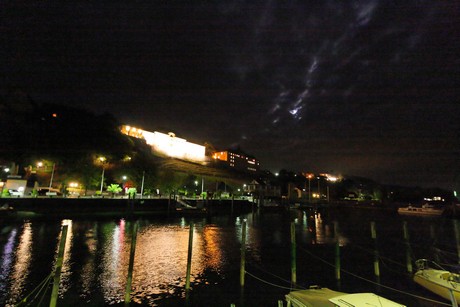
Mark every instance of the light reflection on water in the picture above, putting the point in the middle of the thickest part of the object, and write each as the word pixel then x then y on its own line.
pixel 66 271
pixel 161 260
pixel 89 267
pixel 97 254
pixel 159 264
pixel 21 267
pixel 7 259
pixel 113 263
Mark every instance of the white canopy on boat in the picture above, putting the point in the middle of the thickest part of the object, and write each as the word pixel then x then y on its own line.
pixel 324 297
pixel 363 299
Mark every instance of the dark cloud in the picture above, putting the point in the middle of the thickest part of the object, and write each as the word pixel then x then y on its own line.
pixel 362 87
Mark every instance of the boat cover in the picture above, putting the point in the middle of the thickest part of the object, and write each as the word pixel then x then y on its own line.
pixel 324 297
pixel 315 297
pixel 363 299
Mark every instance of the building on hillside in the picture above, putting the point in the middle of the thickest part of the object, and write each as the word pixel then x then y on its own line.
pixel 237 161
pixel 263 188
pixel 168 144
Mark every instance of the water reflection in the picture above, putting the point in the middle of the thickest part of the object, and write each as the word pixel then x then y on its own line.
pixel 66 271
pixel 213 247
pixel 315 230
pixel 7 260
pixel 102 252
pixel 114 262
pixel 87 275
pixel 21 268
pixel 161 259
pixel 97 255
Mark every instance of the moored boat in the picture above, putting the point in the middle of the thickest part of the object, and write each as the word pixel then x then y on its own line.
pixel 438 280
pixel 426 210
pixel 324 297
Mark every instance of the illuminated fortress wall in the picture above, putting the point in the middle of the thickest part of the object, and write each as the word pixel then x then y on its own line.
pixel 168 144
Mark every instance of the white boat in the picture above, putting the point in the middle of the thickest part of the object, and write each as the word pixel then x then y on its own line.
pixel 324 297
pixel 438 280
pixel 426 209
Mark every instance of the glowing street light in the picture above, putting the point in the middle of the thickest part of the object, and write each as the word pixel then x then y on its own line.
pixel 52 175
pixel 319 190
pixel 102 159
pixel 142 184
pixel 309 176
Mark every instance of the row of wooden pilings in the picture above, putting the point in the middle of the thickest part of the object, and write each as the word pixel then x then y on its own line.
pixel 337 265
pixel 60 260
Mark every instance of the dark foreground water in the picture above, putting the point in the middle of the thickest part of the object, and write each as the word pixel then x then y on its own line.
pixel 97 256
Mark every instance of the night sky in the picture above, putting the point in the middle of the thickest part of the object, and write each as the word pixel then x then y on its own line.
pixel 367 88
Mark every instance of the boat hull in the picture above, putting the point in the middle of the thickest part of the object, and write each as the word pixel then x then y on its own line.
pixel 432 281
pixel 420 211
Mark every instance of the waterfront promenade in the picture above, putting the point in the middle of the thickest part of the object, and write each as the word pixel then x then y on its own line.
pixel 120 207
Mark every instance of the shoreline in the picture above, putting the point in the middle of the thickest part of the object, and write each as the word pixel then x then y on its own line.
pixel 114 207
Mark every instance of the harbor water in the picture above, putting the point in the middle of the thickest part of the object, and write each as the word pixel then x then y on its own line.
pixel 97 254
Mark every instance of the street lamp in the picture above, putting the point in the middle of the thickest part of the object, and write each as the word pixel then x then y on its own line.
pixel 309 176
pixel 102 159
pixel 319 190
pixel 142 184
pixel 52 175
pixel 123 182
pixel 40 164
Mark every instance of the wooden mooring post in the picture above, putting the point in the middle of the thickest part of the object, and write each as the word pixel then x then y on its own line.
pixel 58 268
pixel 376 252
pixel 189 257
pixel 433 246
pixel 408 251
pixel 129 278
pixel 233 200
pixel 337 251
pixel 457 237
pixel 293 256
pixel 243 253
